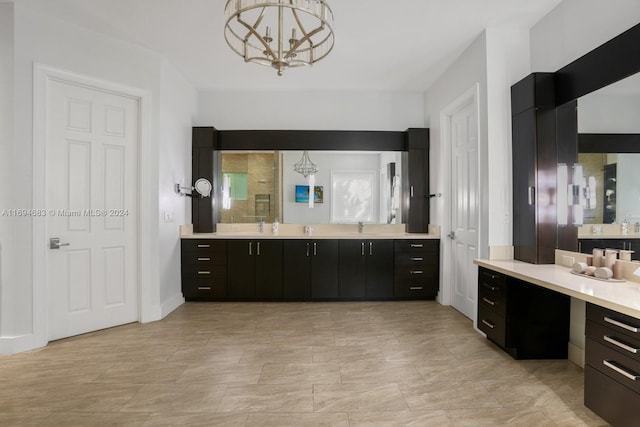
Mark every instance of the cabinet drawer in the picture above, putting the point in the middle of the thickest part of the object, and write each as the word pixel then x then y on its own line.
pixel 197 288
pixel 611 338
pixel 204 272
pixel 492 324
pixel 203 245
pixel 417 246
pixel 204 258
pixel 613 364
pixel 417 289
pixel 416 259
pixel 494 290
pixel 618 322
pixel 416 273
pixel 493 302
pixel 612 401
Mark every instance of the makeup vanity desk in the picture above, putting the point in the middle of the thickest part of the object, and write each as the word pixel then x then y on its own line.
pixel 520 308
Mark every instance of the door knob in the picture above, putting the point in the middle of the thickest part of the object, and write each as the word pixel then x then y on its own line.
pixel 54 243
pixel 452 235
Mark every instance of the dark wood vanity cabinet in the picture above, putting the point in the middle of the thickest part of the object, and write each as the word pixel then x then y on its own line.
pixel 255 268
pixel 366 269
pixel 525 320
pixel 310 269
pixel 204 269
pixel 612 365
pixel 417 268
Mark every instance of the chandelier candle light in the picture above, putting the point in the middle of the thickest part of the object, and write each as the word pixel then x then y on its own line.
pixel 303 31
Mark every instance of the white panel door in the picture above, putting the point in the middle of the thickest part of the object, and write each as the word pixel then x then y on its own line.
pixel 464 209
pixel 91 200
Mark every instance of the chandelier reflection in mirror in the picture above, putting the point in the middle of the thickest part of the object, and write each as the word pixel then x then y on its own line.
pixel 305 166
pixel 279 33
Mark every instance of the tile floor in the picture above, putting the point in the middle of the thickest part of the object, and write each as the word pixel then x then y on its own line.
pixel 290 364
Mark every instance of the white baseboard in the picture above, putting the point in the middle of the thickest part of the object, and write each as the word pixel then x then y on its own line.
pixel 576 355
pixel 19 344
pixel 171 304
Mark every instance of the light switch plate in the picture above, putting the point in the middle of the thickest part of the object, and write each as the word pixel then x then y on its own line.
pixel 568 261
pixel 637 272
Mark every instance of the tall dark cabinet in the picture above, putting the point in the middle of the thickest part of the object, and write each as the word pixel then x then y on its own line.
pixel 540 141
pixel 417 215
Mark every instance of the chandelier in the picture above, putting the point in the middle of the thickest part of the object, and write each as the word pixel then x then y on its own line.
pixel 279 33
pixel 305 166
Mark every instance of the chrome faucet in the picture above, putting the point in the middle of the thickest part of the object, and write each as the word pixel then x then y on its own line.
pixel 360 227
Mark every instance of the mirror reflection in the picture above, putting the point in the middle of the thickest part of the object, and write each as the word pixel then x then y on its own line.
pixel 614 109
pixel 348 187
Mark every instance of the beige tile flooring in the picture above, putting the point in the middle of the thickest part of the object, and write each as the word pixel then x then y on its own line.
pixel 290 364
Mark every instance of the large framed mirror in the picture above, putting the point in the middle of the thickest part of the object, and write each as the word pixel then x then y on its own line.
pixel 605 83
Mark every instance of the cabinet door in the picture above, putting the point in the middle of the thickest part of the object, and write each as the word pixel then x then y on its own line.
pixel 352 269
pixel 379 277
pixel 296 275
pixel 268 261
pixel 241 268
pixel 324 268
pixel 524 187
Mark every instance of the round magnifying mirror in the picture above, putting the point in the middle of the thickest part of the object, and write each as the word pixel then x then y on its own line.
pixel 203 187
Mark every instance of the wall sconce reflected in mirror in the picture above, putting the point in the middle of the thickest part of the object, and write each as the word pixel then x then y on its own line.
pixel 202 186
pixel 578 195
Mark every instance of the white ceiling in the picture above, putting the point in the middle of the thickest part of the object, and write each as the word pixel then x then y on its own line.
pixel 380 45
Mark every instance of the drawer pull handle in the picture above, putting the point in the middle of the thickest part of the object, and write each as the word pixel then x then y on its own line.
pixel 204 272
pixel 491 325
pixel 488 301
pixel 416 272
pixel 417 259
pixel 204 288
pixel 204 259
pixel 417 245
pixel 619 370
pixel 416 288
pixel 617 343
pixel 620 324
pixel 488 286
pixel 204 246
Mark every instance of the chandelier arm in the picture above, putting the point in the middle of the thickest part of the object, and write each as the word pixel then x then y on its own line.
pixel 259 20
pixel 302 40
pixel 297 18
pixel 258 36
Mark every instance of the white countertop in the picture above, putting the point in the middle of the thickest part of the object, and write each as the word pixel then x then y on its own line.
pixel 623 297
pixel 610 236
pixel 320 231
pixel 269 235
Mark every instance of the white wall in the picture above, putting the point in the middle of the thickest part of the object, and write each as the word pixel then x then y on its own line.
pixel 575 27
pixel 6 138
pixel 390 111
pixel 507 63
pixel 178 104
pixel 42 39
